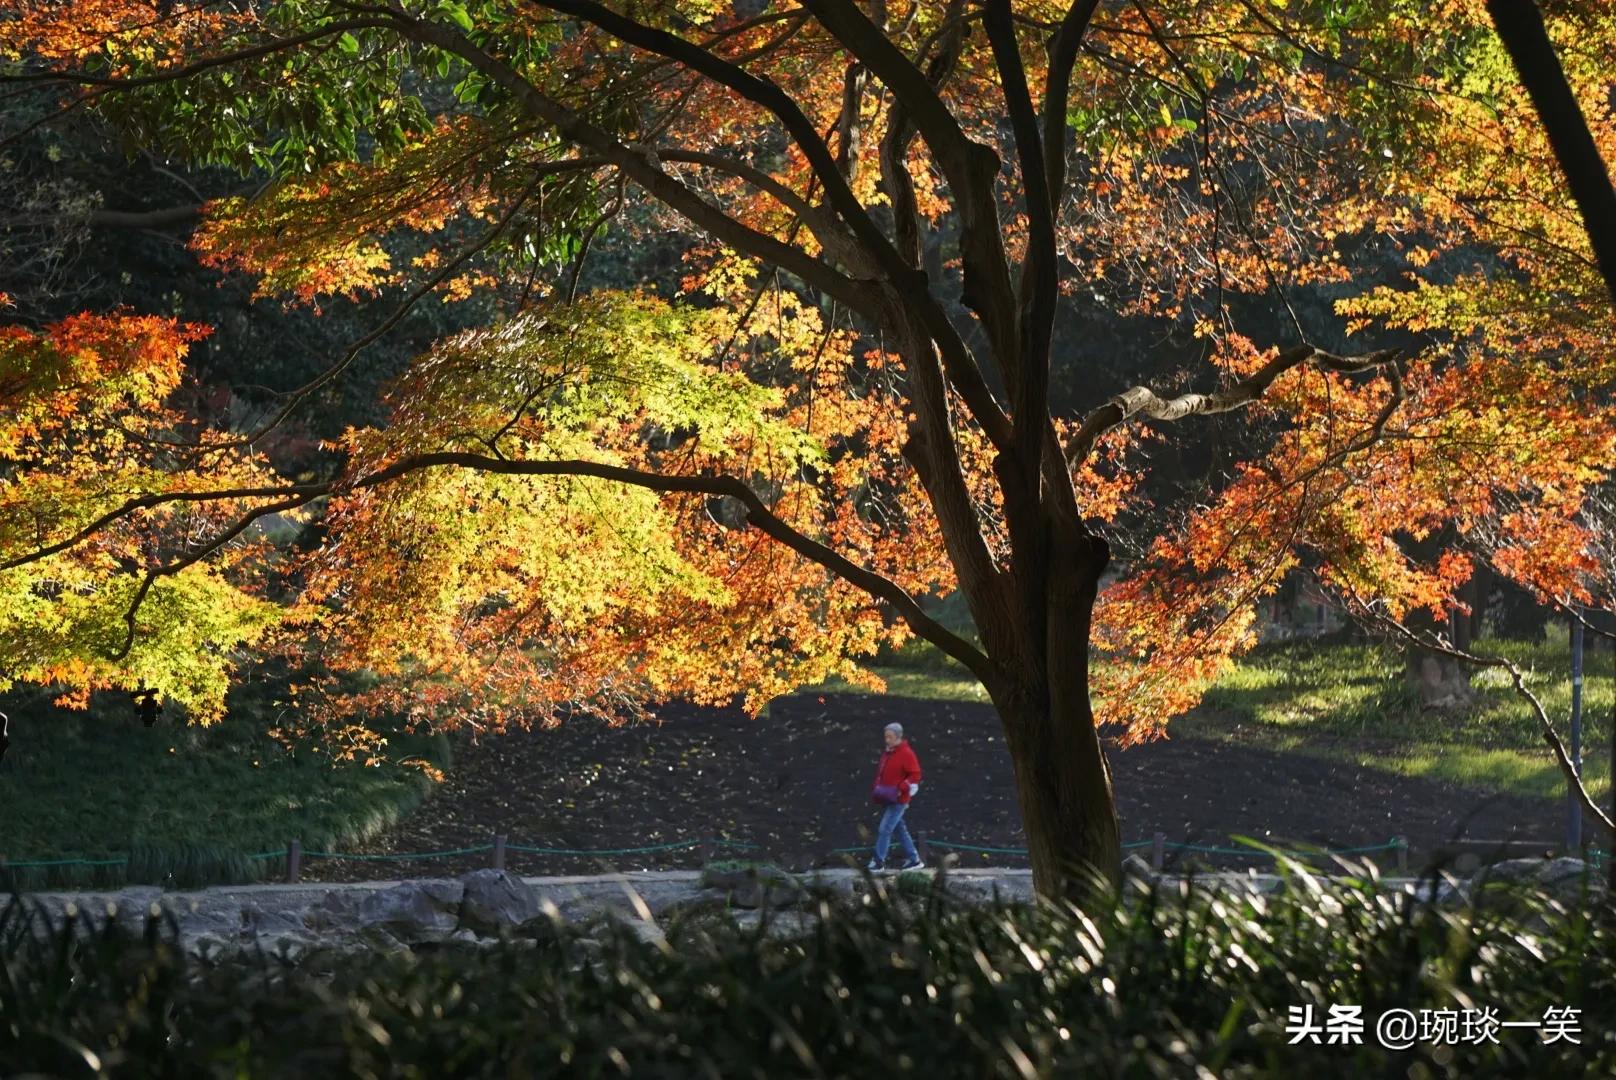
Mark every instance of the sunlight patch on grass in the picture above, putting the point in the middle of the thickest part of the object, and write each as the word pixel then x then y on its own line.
pixel 920 685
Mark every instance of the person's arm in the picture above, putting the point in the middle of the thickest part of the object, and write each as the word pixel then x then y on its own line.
pixel 912 771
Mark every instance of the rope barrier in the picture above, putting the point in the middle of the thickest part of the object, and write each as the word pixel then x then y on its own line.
pixel 399 858
pixel 975 847
pixel 1390 845
pixel 609 851
pixel 1596 855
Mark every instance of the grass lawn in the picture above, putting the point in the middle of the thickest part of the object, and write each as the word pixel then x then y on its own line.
pixel 188 805
pixel 1349 701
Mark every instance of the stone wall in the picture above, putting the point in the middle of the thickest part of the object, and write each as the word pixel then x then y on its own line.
pixel 487 905
pixel 291 920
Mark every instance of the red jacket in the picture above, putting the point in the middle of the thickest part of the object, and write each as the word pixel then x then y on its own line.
pixel 898 767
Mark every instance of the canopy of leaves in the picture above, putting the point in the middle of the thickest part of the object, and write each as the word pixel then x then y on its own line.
pixel 574 505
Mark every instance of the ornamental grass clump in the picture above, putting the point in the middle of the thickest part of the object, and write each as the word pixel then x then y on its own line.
pixel 1183 979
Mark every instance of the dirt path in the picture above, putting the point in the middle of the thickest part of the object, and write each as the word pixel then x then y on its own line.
pixel 796 784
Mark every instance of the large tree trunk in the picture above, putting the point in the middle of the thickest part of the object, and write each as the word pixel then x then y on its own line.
pixel 1063 784
pixel 1063 781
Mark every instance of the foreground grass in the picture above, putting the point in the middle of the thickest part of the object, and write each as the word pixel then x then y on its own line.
pixel 1350 702
pixel 1169 985
pixel 187 804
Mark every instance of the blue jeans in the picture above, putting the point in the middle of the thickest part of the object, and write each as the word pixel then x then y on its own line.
pixel 892 822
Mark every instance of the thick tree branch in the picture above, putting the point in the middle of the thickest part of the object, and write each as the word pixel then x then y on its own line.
pixel 1142 402
pixel 639 164
pixel 1063 51
pixel 1039 280
pixel 907 281
pixel 761 91
pixel 1520 25
pixel 145 219
pixel 970 168
pixel 830 232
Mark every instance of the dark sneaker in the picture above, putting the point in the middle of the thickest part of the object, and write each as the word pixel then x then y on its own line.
pixel 915 865
pixel 874 868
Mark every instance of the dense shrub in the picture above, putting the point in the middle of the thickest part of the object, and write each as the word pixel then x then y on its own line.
pixel 1170 985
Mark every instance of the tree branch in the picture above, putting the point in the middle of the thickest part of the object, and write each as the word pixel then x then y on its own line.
pixel 146 219
pixel 1063 50
pixel 758 515
pixel 1556 746
pixel 240 526
pixel 970 167
pixel 1520 25
pixel 1143 402
pixel 185 71
pixel 832 236
pixel 756 89
pixel 907 282
pixel 640 165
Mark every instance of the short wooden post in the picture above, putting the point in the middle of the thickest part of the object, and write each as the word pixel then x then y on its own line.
pixel 294 862
pixel 1158 851
pixel 499 851
pixel 1402 853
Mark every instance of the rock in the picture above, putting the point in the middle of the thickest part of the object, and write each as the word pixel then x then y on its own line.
pixel 136 904
pixel 259 922
pixel 378 940
pixel 495 900
pixel 777 925
pixel 648 933
pixel 209 922
pixel 412 912
pixel 210 947
pixel 756 887
pixel 1564 879
pixel 336 908
pixel 290 946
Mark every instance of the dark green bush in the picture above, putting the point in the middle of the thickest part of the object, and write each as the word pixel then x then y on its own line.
pixel 1174 984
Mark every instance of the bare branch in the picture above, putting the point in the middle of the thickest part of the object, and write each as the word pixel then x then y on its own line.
pixel 1063 50
pixel 146 219
pixel 1442 647
pixel 1141 401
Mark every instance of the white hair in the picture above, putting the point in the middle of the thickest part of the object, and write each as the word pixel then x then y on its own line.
pixel 896 729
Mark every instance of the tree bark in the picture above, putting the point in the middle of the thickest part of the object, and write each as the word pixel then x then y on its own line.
pixel 1063 780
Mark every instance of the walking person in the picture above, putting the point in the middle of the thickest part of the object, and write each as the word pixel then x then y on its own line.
pixel 897 780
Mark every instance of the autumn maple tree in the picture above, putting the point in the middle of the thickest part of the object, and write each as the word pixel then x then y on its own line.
pixel 888 215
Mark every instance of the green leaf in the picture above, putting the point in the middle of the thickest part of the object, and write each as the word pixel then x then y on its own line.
pixel 456 14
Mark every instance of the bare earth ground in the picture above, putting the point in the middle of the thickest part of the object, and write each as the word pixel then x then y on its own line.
pixel 796 784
